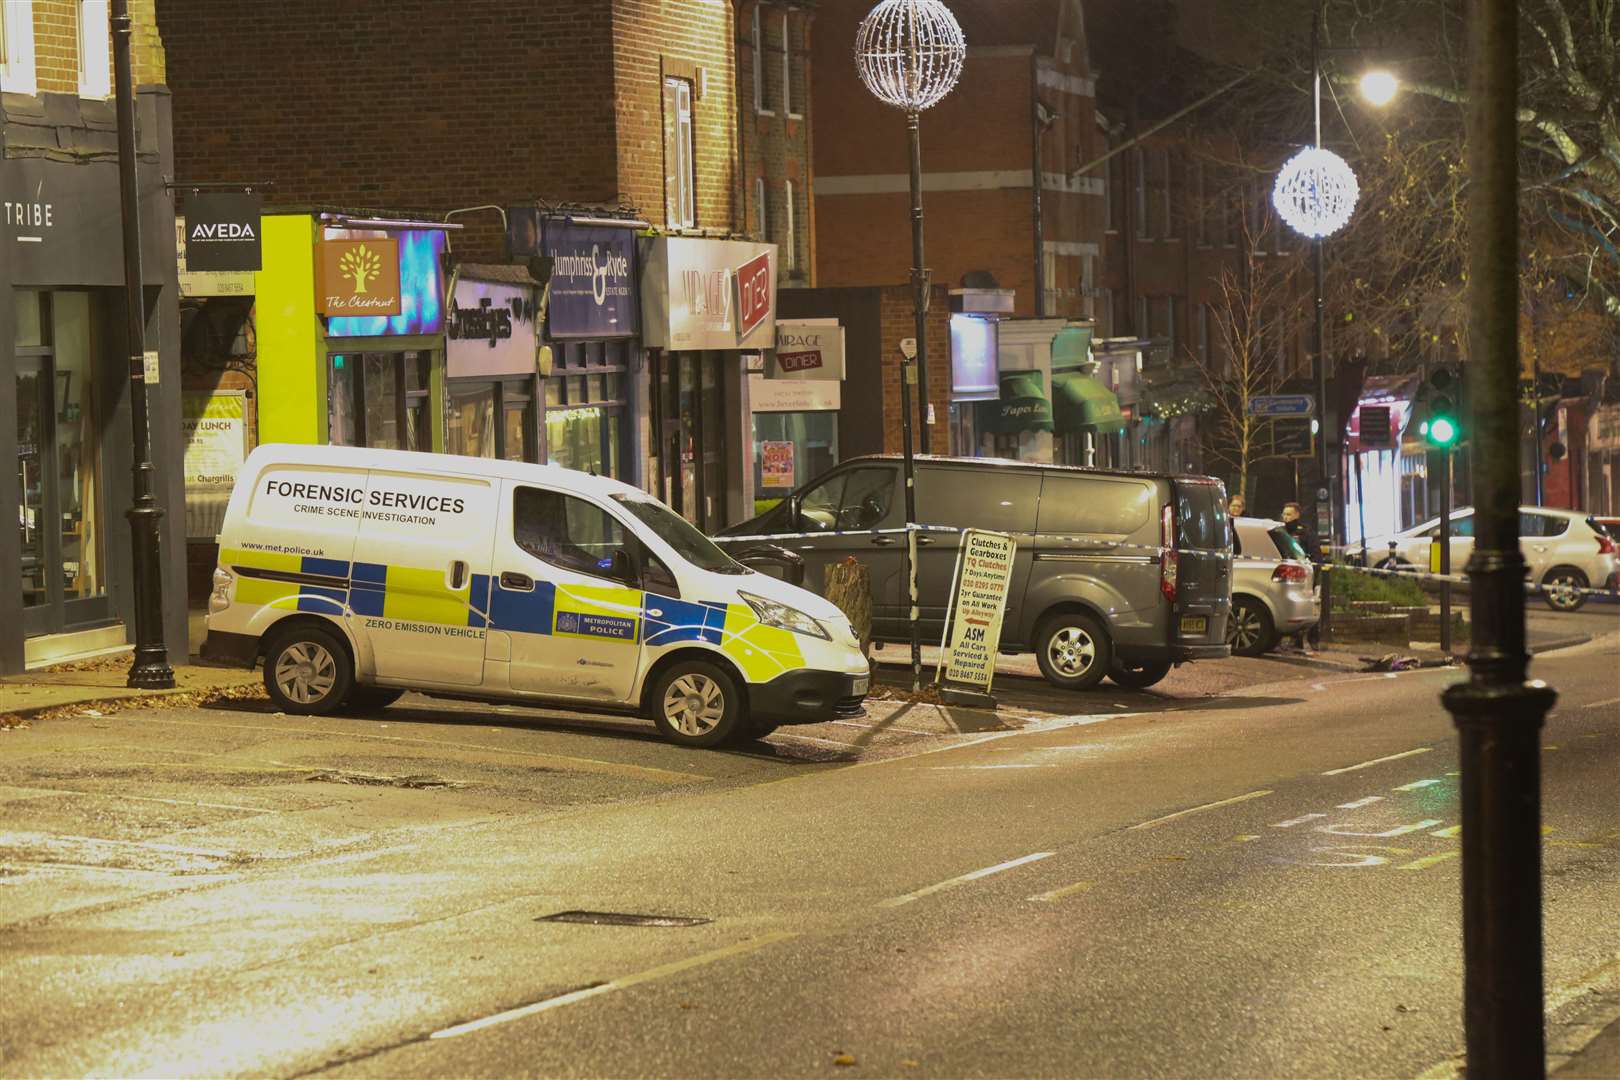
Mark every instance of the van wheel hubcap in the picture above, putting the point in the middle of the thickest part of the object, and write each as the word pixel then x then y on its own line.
pixel 305 672
pixel 1071 651
pixel 694 704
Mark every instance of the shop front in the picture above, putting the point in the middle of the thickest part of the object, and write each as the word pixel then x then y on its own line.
pixel 1603 461
pixel 795 401
pixel 706 305
pixel 491 343
pixel 65 567
pixel 591 418
pixel 350 321
pixel 1085 412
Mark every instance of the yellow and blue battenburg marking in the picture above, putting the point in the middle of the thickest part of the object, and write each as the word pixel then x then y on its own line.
pixel 598 612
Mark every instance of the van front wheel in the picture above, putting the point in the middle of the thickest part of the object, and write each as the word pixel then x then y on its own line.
pixel 697 704
pixel 307 671
pixel 1073 650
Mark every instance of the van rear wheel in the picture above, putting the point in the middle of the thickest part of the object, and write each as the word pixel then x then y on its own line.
pixel 1073 650
pixel 307 671
pixel 697 704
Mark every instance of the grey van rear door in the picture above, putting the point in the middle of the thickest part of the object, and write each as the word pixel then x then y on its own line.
pixel 1203 562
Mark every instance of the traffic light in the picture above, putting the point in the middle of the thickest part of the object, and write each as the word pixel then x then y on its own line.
pixel 1442 427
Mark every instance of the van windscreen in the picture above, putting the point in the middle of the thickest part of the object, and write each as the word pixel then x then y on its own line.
pixel 679 534
pixel 1201 517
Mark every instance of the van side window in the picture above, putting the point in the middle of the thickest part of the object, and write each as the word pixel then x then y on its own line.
pixel 1092 505
pixel 656 577
pixel 565 531
pixel 974 498
pixel 858 499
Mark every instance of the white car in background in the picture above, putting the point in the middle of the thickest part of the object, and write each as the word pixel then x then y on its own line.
pixel 1566 552
pixel 1272 593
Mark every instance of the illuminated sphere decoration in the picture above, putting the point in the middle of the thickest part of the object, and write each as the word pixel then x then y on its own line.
pixel 909 52
pixel 1315 192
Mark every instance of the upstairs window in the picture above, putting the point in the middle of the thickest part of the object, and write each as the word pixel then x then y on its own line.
pixel 757 43
pixel 680 181
pixel 17 47
pixel 95 72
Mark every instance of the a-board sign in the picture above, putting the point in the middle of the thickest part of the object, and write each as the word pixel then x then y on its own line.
pixel 978 602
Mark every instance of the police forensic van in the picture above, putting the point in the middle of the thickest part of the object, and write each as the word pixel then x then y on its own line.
pixel 359 574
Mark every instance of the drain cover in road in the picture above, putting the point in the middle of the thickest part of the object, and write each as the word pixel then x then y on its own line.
pixel 619 918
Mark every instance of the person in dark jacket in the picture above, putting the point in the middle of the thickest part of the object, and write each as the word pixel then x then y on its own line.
pixel 1294 523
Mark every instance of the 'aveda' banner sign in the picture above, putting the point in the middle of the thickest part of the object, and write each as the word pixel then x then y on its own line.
pixel 357 277
pixel 222 232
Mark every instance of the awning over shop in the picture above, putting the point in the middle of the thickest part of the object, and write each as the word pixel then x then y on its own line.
pixel 1023 405
pixel 1081 403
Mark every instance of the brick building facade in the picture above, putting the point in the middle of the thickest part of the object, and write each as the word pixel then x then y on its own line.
pixel 773 110
pixel 427 107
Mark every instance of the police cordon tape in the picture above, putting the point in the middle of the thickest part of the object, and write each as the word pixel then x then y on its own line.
pixel 1101 545
pixel 1414 574
pixel 1107 546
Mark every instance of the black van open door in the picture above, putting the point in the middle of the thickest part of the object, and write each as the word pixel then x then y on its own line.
pixel 1198 541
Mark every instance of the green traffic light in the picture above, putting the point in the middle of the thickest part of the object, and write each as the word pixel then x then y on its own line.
pixel 1442 431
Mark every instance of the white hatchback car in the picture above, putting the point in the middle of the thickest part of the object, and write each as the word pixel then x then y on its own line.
pixel 1272 591
pixel 1566 553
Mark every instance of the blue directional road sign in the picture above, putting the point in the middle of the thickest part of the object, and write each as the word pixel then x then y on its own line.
pixel 1282 405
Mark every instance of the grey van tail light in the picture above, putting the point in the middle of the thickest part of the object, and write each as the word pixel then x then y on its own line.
pixel 1169 561
pixel 220 598
pixel 784 617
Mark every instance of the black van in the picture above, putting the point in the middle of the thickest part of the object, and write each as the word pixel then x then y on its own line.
pixel 1122 574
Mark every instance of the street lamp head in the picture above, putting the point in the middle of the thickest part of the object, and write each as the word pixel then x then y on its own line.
pixel 1379 87
pixel 909 52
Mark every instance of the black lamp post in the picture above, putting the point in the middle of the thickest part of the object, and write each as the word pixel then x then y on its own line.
pixel 150 669
pixel 909 54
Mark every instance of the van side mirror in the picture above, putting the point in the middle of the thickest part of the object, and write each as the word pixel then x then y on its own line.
pixel 621 567
pixel 793 513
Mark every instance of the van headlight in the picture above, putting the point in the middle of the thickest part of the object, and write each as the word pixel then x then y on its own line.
pixel 220 599
pixel 784 617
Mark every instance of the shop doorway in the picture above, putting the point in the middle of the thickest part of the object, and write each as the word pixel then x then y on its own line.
pixel 59 467
pixel 690 390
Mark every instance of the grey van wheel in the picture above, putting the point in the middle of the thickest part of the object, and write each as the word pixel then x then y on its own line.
pixel 1074 651
pixel 695 703
pixel 307 670
pixel 1562 588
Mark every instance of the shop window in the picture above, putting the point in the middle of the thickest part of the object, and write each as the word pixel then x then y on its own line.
pixel 789 449
pixel 565 530
pixel 762 221
pixel 469 422
pixel 95 72
pixel 680 177
pixel 1139 177
pixel 379 400
pixel 584 406
pixel 17 47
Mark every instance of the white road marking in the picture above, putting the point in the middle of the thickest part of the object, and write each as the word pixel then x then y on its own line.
pixel 1198 809
pixel 1291 822
pixel 955 768
pixel 1359 803
pixel 1398 830
pixel 1067 890
pixel 1379 761
pixel 1601 704
pixel 1414 785
pixel 659 972
pixel 897 901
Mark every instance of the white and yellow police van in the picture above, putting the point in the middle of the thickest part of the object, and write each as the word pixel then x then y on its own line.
pixel 359 574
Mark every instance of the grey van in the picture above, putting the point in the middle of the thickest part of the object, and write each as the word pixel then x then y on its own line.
pixel 1118 574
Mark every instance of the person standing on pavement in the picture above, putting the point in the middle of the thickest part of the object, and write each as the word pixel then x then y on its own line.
pixel 1294 523
pixel 1235 506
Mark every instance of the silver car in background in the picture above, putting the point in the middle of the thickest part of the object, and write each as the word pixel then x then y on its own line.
pixel 1272 587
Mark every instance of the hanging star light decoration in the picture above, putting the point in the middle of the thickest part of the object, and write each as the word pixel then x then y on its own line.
pixel 909 52
pixel 1316 192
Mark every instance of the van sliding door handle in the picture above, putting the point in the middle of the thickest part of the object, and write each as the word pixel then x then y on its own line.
pixel 883 541
pixel 924 541
pixel 516 582
pixel 458 575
